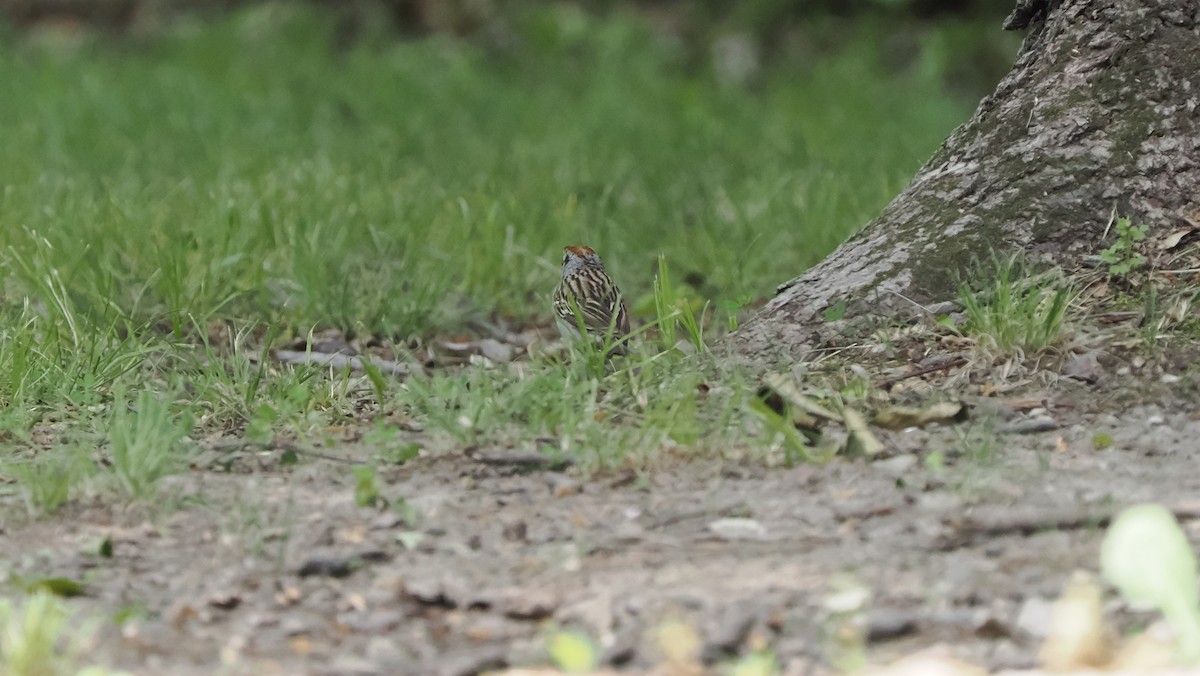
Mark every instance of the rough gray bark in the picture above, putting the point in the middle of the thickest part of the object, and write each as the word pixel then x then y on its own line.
pixel 1101 111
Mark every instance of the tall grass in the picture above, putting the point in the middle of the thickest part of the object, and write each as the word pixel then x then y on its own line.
pixel 247 170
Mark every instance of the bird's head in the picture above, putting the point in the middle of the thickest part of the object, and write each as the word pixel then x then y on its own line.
pixel 576 257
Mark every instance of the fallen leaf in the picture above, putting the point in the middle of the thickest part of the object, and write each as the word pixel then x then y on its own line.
pixel 786 388
pixel 301 645
pixel 861 440
pixel 903 417
pixel 63 587
pixel 680 645
pixel 1077 638
pixel 931 662
pixel 1172 240
pixel 1151 651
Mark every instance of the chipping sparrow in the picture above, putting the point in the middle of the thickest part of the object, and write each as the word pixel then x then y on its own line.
pixel 586 286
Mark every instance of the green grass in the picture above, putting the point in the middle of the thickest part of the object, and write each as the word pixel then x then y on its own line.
pixel 1013 311
pixel 35 639
pixel 172 206
pixel 145 440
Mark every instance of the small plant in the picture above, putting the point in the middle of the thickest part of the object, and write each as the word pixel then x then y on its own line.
pixel 572 652
pixel 844 623
pixel 31 636
pixel 1146 555
pixel 50 480
pixel 366 491
pixel 1122 256
pixel 145 442
pixel 391 449
pixel 595 350
pixel 1013 311
pixel 761 662
pixel 836 311
pixel 732 307
pixel 674 310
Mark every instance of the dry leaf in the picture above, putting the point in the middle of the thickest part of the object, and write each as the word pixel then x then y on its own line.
pixel 1151 650
pixel 861 440
pixel 931 662
pixel 680 645
pixel 1078 638
pixel 903 417
pixel 786 388
pixel 1172 240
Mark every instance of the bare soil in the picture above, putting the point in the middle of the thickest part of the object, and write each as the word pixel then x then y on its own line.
pixel 277 570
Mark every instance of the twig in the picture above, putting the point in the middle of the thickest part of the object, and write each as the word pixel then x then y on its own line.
pixel 949 364
pixel 1031 426
pixel 280 446
pixel 338 361
pixel 914 303
pixel 529 460
pixel 1028 522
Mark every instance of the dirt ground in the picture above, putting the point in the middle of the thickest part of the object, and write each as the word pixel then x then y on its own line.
pixel 278 570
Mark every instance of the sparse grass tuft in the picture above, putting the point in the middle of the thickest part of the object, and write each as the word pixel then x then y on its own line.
pixel 49 479
pixel 1010 311
pixel 145 437
pixel 675 309
pixel 643 406
pixel 34 637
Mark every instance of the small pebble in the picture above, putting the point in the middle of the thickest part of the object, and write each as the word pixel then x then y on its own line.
pixel 738 529
pixel 1035 616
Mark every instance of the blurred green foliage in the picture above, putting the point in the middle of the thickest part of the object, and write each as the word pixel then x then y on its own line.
pixel 245 168
pixel 182 195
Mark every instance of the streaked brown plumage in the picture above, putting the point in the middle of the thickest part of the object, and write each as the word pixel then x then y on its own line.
pixel 587 286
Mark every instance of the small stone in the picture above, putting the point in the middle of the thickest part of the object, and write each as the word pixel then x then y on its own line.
pixel 898 466
pixel 352 665
pixel 738 529
pixel 1084 367
pixel 726 635
pixel 225 601
pixel 1035 616
pixel 325 567
pixel 515 532
pixel 1029 426
pixel 297 626
pixel 526 604
pixel 495 350
pixel 990 627
pixel 463 663
pixel 885 624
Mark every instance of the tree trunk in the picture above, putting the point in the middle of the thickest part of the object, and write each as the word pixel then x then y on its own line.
pixel 1099 113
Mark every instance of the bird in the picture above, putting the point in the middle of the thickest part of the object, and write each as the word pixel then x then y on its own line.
pixel 585 286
